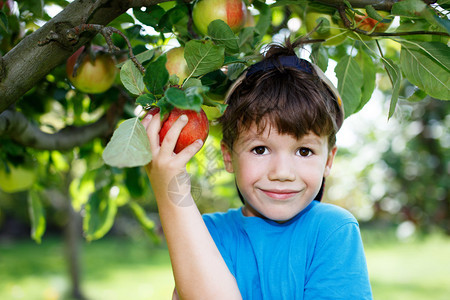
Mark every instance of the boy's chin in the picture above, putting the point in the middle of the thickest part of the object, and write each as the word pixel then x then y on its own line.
pixel 278 214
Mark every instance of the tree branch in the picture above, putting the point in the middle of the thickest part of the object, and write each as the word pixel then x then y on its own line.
pixel 16 125
pixel 26 64
pixel 385 5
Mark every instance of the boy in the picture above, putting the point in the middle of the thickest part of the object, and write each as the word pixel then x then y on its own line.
pixel 279 140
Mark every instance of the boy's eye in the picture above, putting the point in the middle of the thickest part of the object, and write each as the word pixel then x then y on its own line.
pixel 259 150
pixel 304 152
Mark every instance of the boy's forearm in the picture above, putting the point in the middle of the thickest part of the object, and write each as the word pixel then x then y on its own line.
pixel 199 269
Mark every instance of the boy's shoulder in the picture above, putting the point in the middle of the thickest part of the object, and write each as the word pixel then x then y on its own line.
pixel 323 210
pixel 327 217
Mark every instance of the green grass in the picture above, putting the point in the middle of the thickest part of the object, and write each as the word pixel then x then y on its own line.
pixel 418 269
pixel 112 269
pixel 122 269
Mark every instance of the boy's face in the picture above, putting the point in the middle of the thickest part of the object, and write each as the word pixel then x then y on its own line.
pixel 278 175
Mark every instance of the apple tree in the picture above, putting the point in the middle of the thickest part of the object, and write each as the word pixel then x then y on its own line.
pixel 59 133
pixel 61 149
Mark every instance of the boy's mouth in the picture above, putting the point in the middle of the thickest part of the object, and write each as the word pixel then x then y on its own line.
pixel 280 194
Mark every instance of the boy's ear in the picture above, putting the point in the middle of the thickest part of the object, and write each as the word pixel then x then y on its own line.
pixel 226 154
pixel 329 163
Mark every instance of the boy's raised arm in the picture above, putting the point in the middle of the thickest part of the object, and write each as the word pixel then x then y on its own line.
pixel 198 267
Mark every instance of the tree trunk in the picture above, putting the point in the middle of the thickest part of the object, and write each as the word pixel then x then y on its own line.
pixel 72 239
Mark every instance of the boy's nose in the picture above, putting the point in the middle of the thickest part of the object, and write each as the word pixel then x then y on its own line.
pixel 281 169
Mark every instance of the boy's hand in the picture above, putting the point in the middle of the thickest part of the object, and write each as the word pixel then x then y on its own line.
pixel 167 167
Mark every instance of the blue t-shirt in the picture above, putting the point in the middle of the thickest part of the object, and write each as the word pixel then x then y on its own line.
pixel 318 254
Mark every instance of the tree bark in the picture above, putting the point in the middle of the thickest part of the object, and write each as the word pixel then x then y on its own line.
pixel 15 125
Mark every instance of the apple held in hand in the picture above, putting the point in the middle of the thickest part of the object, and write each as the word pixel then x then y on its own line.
pixel 196 128
pixel 93 77
pixel 176 64
pixel 232 12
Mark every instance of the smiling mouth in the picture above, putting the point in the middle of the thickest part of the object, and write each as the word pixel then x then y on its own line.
pixel 280 194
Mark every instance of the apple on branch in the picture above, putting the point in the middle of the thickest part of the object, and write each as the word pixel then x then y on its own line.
pixel 93 76
pixel 329 29
pixel 196 128
pixel 232 12
pixel 176 64
pixel 364 22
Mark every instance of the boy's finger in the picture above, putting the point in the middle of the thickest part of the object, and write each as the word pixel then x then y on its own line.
pixel 187 153
pixel 146 120
pixel 171 137
pixel 153 128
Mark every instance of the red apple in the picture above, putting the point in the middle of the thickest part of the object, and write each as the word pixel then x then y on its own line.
pixel 232 12
pixel 93 77
pixel 176 64
pixel 367 24
pixel 364 22
pixel 196 128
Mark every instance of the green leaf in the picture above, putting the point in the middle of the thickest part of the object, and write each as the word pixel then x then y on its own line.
pixel 265 18
pixel 220 106
pixel 146 100
pixel 36 7
pixel 147 224
pixel 408 8
pixel 156 76
pixel 368 70
pixel 417 96
pixel 151 16
pixel 100 213
pixel 133 182
pixel 189 99
pixel 192 82
pixel 177 15
pixel 129 146
pixel 443 22
pixel 3 22
pixel 232 60
pixel 222 34
pixel 235 70
pixel 37 216
pixel 132 78
pixel 319 56
pixel 350 81
pixel 164 107
pixel 372 13
pixel 203 57
pixel 249 37
pixel 141 57
pixel 427 66
pixel 395 75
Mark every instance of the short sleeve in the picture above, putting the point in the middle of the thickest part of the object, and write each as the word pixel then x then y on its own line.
pixel 219 239
pixel 338 269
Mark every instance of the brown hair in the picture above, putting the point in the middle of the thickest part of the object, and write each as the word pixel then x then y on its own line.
pixel 293 101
